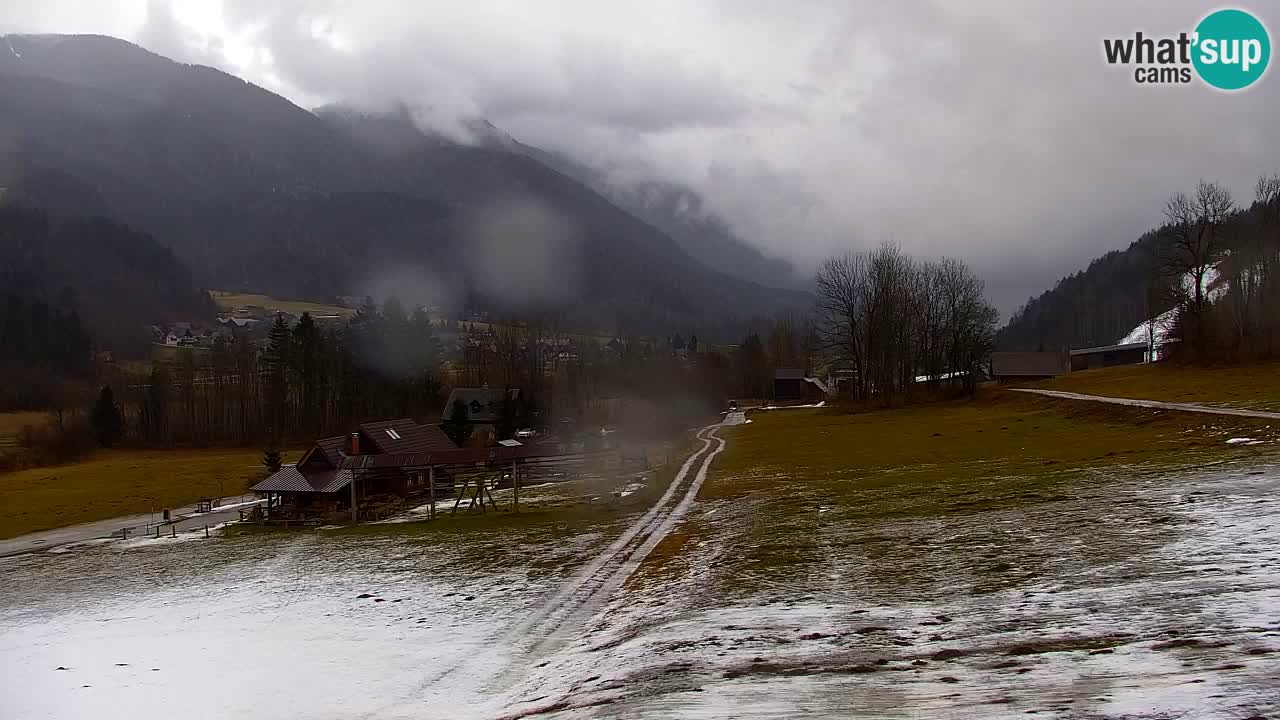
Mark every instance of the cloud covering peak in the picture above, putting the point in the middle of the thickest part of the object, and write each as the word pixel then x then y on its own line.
pixel 991 131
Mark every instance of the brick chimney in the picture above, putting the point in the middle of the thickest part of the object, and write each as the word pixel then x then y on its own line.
pixel 355 444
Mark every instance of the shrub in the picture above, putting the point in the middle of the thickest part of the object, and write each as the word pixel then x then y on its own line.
pixel 57 442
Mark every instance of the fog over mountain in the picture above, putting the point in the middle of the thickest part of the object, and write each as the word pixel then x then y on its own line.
pixel 806 128
pixel 254 193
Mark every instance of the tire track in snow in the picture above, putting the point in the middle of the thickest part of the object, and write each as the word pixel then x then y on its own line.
pixel 507 660
pixel 554 623
pixel 565 614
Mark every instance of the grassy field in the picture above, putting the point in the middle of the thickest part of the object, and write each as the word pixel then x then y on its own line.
pixel 998 434
pixel 1255 386
pixel 120 482
pixel 901 493
pixel 12 422
pixel 236 301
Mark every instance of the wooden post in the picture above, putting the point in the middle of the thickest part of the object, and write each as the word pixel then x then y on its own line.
pixel 174 529
pixel 485 487
pixel 461 493
pixel 515 486
pixel 206 531
pixel 431 488
pixel 355 518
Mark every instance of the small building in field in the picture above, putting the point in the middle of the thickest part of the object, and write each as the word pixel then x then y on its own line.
pixel 1009 367
pixel 1109 356
pixel 791 386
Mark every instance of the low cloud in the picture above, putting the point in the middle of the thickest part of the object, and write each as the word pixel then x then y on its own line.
pixel 989 131
pixel 523 254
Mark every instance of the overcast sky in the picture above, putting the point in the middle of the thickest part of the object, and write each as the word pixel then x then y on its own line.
pixel 990 131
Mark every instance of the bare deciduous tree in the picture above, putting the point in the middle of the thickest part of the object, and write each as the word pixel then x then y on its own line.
pixel 888 319
pixel 1197 239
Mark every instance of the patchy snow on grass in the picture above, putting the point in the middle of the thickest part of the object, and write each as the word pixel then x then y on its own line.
pixel 793 407
pixel 628 489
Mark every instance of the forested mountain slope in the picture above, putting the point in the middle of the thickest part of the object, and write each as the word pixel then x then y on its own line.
pixel 1092 307
pixel 118 280
pixel 255 193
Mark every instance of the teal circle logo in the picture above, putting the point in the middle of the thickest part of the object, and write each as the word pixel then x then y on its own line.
pixel 1232 49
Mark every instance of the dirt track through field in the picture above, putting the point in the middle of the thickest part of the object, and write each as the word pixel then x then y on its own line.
pixel 1153 404
pixel 562 616
pixel 555 622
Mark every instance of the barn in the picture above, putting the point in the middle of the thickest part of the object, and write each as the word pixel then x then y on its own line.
pixel 1007 367
pixel 791 386
pixel 1109 356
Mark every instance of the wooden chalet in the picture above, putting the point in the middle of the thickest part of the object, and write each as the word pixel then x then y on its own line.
pixel 322 485
pixel 382 467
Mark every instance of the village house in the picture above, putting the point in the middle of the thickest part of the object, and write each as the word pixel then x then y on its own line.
pixel 1009 367
pixel 1109 356
pixel 238 322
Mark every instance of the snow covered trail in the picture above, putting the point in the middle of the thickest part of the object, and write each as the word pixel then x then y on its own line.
pixel 445 625
pixel 506 661
pixel 563 614
pixel 1154 404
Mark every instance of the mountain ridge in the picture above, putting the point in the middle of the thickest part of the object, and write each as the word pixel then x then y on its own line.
pixel 254 192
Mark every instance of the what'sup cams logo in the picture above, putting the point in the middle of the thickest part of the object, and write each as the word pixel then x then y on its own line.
pixel 1228 50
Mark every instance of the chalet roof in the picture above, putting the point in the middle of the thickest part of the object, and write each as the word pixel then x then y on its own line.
pixel 1029 364
pixel 333 448
pixel 291 480
pixel 456 456
pixel 406 436
pixel 483 404
pixel 1110 348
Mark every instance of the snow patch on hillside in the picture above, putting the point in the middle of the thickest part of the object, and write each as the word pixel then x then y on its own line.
pixel 1143 333
pixel 1163 324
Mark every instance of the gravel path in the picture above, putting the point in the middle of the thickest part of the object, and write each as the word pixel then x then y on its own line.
pixel 1154 404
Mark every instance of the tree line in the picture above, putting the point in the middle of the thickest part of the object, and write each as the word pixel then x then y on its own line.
pixel 650 385
pixel 117 279
pixel 884 319
pixel 305 381
pixel 39 345
pixel 1221 266
pixel 1211 262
